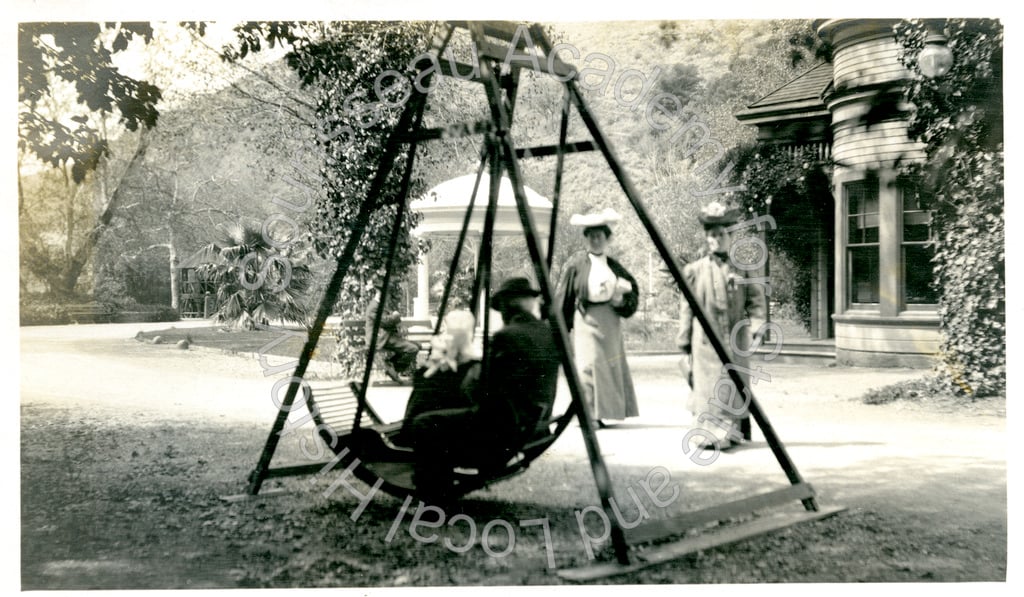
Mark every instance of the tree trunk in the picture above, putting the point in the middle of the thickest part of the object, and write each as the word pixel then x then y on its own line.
pixel 80 258
pixel 69 213
pixel 175 281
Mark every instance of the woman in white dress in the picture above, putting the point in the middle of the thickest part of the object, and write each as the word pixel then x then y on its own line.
pixel 595 293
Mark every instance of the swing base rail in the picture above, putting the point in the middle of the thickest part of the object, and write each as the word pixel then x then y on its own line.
pixel 664 540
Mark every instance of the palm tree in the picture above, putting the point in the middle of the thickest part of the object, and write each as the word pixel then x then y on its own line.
pixel 256 281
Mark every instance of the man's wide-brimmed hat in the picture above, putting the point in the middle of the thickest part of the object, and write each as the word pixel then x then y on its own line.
pixel 510 289
pixel 716 214
pixel 605 217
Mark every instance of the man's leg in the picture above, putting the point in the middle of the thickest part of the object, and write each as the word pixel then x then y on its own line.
pixel 387 359
pixel 403 355
pixel 436 438
pixel 745 428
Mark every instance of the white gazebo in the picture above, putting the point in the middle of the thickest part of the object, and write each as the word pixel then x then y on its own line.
pixel 444 208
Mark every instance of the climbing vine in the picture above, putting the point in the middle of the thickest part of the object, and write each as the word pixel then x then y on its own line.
pixel 356 110
pixel 959 118
pixel 795 189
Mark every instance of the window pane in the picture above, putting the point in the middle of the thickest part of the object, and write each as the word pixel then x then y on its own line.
pixel 856 202
pixel 918 279
pixel 912 199
pixel 862 197
pixel 916 255
pixel 864 270
pixel 916 226
pixel 871 203
pixel 871 234
pixel 863 229
pixel 862 210
pixel 854 231
pixel 915 232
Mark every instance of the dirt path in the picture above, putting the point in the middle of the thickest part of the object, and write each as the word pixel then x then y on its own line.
pixel 941 473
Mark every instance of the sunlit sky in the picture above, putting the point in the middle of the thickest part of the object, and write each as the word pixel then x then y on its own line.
pixel 180 65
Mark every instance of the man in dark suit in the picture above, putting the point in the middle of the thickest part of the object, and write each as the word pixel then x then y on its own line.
pixel 397 352
pixel 522 366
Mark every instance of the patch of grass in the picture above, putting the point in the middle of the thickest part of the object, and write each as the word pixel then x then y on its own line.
pixel 277 342
pixel 929 392
pixel 912 389
pixel 649 336
pixel 135 505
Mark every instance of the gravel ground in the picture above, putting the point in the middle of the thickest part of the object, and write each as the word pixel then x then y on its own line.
pixel 126 446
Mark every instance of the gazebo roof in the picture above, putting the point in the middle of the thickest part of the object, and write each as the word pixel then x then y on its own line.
pixel 457 192
pixel 802 97
pixel 444 207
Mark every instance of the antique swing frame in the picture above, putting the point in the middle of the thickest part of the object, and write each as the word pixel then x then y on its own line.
pixel 514 47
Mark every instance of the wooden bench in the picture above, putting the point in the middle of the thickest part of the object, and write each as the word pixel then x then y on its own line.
pixel 379 451
pixel 417 330
pixel 93 312
pixel 333 404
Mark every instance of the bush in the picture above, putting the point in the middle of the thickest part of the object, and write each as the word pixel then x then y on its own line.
pixel 651 335
pixel 349 351
pixel 970 271
pixel 790 188
pixel 959 117
pixel 34 313
pixel 50 312
pixel 788 317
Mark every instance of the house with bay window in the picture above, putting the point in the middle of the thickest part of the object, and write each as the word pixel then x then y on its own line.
pixel 871 285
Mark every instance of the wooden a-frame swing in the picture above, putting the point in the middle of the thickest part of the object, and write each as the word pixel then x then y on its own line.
pixel 358 436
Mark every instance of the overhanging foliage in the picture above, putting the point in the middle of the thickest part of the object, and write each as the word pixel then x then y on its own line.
pixel 960 119
pixel 795 189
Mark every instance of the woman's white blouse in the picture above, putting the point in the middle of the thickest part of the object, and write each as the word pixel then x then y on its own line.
pixel 601 282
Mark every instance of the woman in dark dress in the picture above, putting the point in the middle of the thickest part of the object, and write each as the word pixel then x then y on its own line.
pixel 449 378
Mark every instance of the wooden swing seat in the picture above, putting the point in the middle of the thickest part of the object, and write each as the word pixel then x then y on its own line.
pixel 333 406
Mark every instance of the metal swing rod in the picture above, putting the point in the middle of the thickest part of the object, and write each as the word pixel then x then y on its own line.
pixel 344 260
pixel 396 230
pixel 487 249
pixel 563 132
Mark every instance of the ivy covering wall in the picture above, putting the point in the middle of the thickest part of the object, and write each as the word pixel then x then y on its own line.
pixel 960 119
pixel 795 189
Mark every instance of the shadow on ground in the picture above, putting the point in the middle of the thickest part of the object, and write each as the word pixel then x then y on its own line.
pixel 108 505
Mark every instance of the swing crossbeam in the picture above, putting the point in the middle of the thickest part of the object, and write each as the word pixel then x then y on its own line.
pixel 543 151
pixel 452 131
pixel 656 530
